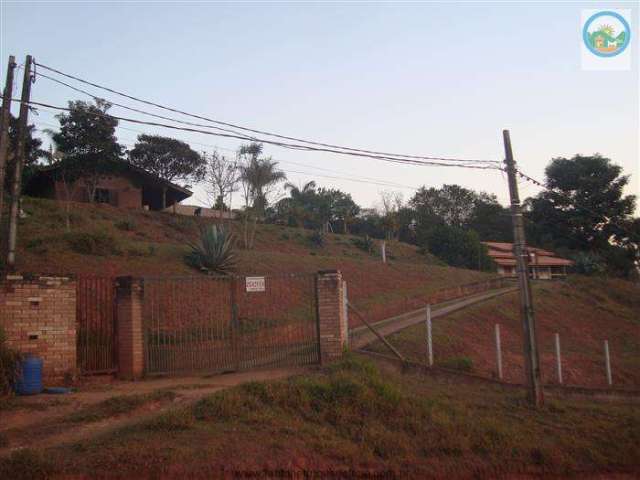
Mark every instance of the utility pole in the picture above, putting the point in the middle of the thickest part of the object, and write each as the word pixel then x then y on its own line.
pixel 20 153
pixel 5 115
pixel 531 359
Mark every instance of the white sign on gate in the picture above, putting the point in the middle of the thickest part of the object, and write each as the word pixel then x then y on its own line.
pixel 255 284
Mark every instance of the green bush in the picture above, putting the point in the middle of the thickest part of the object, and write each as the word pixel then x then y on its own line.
pixel 9 366
pixel 127 225
pixel 365 243
pixel 93 243
pixel 317 239
pixel 464 364
pixel 214 252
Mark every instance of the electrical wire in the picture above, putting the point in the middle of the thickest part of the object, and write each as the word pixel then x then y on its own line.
pixel 270 142
pixel 366 180
pixel 261 132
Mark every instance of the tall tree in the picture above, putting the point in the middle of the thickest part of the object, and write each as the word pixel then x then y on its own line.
pixel 299 205
pixel 33 153
pixel 258 176
pixel 452 204
pixel 222 178
pixel 583 208
pixel 87 142
pixel 169 159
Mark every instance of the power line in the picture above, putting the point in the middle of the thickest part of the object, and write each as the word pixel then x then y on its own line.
pixel 271 142
pixel 261 132
pixel 340 176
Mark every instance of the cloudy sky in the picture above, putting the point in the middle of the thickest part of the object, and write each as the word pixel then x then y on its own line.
pixel 427 79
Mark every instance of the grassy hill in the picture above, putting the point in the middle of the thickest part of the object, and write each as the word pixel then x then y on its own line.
pixel 584 311
pixel 356 419
pixel 108 241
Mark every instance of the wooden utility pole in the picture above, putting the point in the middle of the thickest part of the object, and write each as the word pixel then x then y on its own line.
pixel 5 116
pixel 531 359
pixel 20 153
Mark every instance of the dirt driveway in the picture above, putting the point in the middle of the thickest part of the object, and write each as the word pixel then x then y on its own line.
pixel 46 420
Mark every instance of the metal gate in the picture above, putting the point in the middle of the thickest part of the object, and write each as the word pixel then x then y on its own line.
pixel 217 324
pixel 96 324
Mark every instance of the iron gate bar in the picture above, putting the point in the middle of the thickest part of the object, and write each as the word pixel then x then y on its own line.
pixel 213 324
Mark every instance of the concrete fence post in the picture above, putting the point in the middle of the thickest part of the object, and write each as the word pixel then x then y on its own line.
pixel 332 328
pixel 429 338
pixel 498 351
pixel 607 360
pixel 558 358
pixel 129 300
pixel 383 249
pixel 345 312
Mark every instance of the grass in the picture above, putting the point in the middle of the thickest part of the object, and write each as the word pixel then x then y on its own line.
pixel 361 416
pixel 119 405
pixel 584 311
pixel 114 241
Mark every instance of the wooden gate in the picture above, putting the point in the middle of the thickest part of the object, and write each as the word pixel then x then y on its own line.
pixel 96 325
pixel 229 323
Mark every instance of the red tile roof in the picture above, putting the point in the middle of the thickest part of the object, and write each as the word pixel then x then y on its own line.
pixel 502 254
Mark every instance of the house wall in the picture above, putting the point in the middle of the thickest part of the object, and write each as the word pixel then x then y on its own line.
pixel 38 315
pixel 124 193
pixel 190 210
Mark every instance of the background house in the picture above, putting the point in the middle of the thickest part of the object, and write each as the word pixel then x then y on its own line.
pixel 543 264
pixel 128 187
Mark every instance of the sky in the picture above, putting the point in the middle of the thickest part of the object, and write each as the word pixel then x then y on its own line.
pixel 435 79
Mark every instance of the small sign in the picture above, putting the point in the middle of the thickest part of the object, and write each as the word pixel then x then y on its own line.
pixel 255 284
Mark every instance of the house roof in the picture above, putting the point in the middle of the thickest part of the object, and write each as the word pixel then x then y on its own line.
pixel 502 254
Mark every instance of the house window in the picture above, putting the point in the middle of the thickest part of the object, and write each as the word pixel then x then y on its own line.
pixel 102 195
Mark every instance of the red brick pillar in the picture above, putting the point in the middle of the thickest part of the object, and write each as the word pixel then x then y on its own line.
pixel 129 297
pixel 331 318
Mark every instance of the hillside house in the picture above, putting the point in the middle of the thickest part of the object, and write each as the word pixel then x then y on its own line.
pixel 197 211
pixel 543 264
pixel 128 187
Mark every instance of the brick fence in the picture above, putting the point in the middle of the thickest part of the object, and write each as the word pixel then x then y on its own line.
pixel 38 315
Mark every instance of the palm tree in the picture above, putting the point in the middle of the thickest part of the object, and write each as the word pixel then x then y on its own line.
pixel 258 176
pixel 300 201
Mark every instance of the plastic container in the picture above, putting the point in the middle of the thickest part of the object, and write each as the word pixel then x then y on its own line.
pixel 30 382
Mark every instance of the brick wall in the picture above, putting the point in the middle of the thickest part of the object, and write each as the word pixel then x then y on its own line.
pixel 331 315
pixel 129 295
pixel 124 193
pixel 38 315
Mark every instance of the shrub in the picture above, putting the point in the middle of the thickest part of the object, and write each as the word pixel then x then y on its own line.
pixel 317 238
pixel 127 225
pixel 588 264
pixel 464 364
pixel 9 366
pixel 93 243
pixel 364 243
pixel 214 252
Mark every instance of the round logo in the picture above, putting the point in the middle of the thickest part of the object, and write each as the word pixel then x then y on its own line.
pixel 606 34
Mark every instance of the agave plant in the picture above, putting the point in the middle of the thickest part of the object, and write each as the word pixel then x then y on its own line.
pixel 214 251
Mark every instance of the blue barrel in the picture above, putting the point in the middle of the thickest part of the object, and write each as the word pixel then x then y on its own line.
pixel 30 381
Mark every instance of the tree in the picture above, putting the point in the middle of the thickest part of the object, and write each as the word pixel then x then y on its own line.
pixel 258 177
pixel 169 159
pixel 88 143
pixel 491 220
pixel 391 203
pixel 33 153
pixel 299 205
pixel 452 204
pixel 583 208
pixel 458 247
pixel 222 178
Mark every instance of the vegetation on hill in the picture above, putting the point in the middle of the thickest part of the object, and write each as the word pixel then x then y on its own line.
pixel 355 417
pixel 583 310
pixel 104 240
